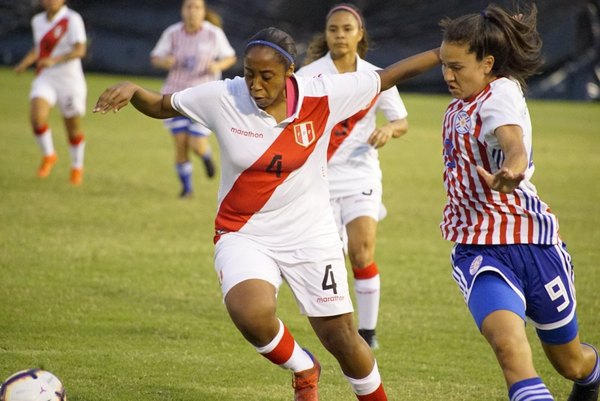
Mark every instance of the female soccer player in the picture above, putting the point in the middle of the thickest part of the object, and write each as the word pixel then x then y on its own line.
pixel 194 51
pixel 274 219
pixel 354 172
pixel 509 260
pixel 59 44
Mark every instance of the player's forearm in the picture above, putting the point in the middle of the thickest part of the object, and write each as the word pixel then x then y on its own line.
pixel 408 68
pixel 398 127
pixel 28 60
pixel 152 104
pixel 79 51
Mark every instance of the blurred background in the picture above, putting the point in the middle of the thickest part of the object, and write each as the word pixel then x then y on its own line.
pixel 121 34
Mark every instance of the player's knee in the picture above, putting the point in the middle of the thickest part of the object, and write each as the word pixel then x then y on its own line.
pixel 509 349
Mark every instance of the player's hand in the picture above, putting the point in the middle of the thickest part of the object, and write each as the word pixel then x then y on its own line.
pixel 115 98
pixel 380 137
pixel 45 62
pixel 504 180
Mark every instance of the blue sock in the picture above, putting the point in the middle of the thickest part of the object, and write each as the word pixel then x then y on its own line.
pixel 529 390
pixel 595 375
pixel 184 171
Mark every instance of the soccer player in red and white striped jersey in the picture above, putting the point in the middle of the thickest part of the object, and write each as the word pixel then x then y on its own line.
pixel 59 44
pixel 509 260
pixel 274 220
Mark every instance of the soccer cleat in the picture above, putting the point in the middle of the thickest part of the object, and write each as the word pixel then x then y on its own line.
pixel 370 337
pixel 46 167
pixel 305 383
pixel 76 176
pixel 186 194
pixel 584 393
pixel 209 166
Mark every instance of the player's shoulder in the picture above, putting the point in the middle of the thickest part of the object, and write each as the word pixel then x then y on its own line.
pixel 364 65
pixel 316 67
pixel 211 27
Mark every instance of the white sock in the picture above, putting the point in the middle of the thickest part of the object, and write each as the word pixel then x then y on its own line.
pixel 77 151
pixel 367 299
pixel 44 141
pixel 279 348
pixel 366 385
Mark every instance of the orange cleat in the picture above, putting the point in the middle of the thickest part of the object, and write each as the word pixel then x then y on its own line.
pixel 76 176
pixel 305 383
pixel 46 167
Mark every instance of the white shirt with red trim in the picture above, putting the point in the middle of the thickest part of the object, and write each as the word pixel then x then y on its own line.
pixel 475 214
pixel 274 185
pixel 58 37
pixel 193 52
pixel 353 163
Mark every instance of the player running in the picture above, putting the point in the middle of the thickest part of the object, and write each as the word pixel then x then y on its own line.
pixel 59 45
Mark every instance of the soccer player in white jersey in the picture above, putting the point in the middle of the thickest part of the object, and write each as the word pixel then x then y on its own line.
pixel 354 172
pixel 59 44
pixel 274 219
pixel 508 260
pixel 194 51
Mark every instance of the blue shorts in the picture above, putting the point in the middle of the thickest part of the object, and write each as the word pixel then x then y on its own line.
pixel 539 276
pixel 184 125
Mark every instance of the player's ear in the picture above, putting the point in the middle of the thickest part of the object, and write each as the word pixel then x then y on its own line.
pixel 290 70
pixel 488 63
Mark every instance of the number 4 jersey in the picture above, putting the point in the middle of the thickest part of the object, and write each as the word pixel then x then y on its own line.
pixel 274 175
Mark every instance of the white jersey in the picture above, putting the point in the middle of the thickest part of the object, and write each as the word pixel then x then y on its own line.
pixel 353 163
pixel 475 214
pixel 56 38
pixel 274 186
pixel 193 52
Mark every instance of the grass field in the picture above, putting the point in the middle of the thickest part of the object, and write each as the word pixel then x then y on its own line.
pixel 111 285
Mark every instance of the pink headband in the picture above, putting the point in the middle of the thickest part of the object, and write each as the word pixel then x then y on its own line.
pixel 346 8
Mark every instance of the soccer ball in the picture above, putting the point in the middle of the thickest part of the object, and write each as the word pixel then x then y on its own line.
pixel 32 385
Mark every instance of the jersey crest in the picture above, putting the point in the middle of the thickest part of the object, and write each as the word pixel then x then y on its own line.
pixel 304 133
pixel 462 123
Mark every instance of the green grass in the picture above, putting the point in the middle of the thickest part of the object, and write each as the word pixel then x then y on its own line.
pixel 111 285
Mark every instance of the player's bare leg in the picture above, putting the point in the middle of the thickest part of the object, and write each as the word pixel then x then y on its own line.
pixel 578 362
pixel 252 307
pixel 339 336
pixel 202 148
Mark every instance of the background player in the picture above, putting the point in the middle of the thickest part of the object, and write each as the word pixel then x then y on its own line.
pixel 353 170
pixel 59 44
pixel 274 218
pixel 194 51
pixel 509 260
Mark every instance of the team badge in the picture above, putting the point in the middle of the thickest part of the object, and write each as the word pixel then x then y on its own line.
pixel 58 31
pixel 462 123
pixel 304 134
pixel 475 265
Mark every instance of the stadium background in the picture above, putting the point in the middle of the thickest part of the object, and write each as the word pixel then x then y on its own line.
pixel 121 34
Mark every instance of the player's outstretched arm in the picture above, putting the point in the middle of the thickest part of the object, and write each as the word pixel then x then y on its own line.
pixel 150 103
pixel 408 68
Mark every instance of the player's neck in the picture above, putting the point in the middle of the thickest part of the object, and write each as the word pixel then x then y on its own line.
pixel 345 63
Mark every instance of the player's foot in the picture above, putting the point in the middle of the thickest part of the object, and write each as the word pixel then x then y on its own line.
pixel 370 337
pixel 305 383
pixel 186 194
pixel 46 167
pixel 584 393
pixel 209 166
pixel 76 176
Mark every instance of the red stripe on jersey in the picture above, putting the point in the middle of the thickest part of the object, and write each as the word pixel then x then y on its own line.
pixel 283 351
pixel 51 38
pixel 341 130
pixel 255 185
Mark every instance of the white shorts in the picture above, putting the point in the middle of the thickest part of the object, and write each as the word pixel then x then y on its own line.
pixel 317 277
pixel 69 94
pixel 364 204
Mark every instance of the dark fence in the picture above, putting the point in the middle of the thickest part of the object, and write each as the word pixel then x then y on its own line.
pixel 122 33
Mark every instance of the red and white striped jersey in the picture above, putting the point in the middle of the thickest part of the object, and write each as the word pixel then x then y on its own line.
pixel 57 37
pixel 274 185
pixel 352 161
pixel 475 214
pixel 193 53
